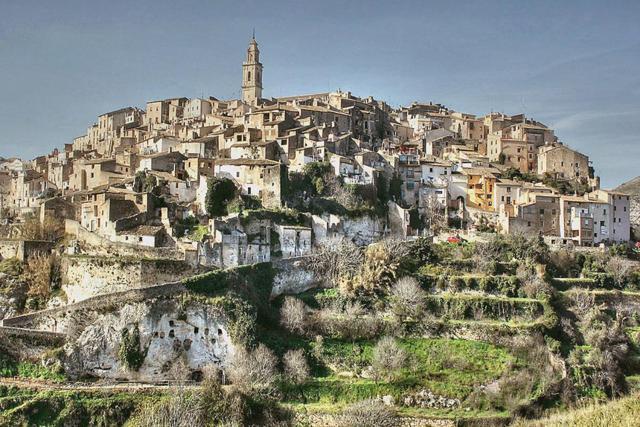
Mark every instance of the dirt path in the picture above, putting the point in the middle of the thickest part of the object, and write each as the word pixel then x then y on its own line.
pixel 120 386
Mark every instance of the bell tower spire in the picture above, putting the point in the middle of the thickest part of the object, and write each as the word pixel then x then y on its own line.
pixel 252 74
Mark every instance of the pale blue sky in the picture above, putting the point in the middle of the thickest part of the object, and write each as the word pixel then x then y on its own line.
pixel 571 64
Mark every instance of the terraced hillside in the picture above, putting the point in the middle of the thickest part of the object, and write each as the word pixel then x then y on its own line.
pixel 485 332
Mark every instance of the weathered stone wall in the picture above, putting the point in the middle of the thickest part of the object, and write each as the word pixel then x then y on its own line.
pixel 84 277
pixel 292 277
pixel 94 244
pixel 170 332
pixel 60 319
pixel 364 230
pixel 23 249
pixel 330 420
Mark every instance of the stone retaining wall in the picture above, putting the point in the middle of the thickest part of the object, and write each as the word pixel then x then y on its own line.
pixel 86 276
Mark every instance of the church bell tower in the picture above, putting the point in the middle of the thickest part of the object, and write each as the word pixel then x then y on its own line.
pixel 252 74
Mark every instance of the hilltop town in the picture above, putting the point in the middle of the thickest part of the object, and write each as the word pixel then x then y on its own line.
pixel 352 166
pixel 320 259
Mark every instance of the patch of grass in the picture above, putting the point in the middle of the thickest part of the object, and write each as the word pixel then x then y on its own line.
pixel 451 368
pixel 12 368
pixel 622 412
pixel 62 408
pixel 11 266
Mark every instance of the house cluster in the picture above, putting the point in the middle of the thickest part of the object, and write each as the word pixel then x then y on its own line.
pixel 136 173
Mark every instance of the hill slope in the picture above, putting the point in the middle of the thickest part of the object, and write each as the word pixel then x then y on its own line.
pixel 623 412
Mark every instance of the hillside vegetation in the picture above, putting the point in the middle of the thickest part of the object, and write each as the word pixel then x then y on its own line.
pixel 621 413
pixel 487 332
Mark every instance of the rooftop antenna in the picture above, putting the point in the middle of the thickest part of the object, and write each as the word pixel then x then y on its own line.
pixel 254 33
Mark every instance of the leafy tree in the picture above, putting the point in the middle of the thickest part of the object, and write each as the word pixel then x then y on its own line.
pixel 395 188
pixel 219 192
pixel 414 219
pixel 382 188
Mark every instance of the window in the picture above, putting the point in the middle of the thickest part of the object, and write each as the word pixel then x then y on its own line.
pixel 542 211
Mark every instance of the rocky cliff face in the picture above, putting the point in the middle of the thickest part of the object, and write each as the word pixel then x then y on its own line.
pixel 170 331
pixel 632 188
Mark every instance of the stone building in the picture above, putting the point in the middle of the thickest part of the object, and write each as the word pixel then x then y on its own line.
pixel 560 161
pixel 252 75
pixel 256 177
pixel 295 240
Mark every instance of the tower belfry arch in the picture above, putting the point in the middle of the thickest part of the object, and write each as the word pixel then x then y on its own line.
pixel 252 74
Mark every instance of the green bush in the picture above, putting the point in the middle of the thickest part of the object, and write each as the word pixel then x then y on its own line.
pixel 129 353
pixel 219 192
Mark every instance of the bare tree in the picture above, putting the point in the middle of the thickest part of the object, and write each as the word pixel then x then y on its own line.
pixel 335 258
pixel 388 357
pixel 620 269
pixel 254 371
pixel 296 368
pixel 407 298
pixel 335 189
pixel 368 413
pixel 486 255
pixel 293 315
pixel 435 214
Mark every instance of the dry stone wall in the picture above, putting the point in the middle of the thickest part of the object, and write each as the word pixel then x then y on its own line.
pixel 85 277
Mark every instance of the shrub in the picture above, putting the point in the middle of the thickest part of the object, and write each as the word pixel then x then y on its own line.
pixel 620 269
pixel 254 371
pixel 407 298
pixel 293 315
pixel 348 322
pixel 388 357
pixel 456 284
pixel 129 352
pixel 296 369
pixel 219 192
pixel 42 273
pixel 11 266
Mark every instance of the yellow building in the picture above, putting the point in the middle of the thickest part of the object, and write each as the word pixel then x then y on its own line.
pixel 481 185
